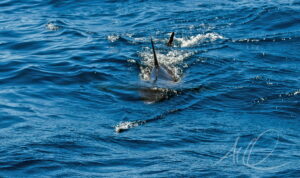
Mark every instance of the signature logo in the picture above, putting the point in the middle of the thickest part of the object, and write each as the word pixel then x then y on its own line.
pixel 245 159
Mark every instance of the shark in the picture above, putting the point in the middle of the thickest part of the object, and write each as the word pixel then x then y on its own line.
pixel 170 42
pixel 160 71
pixel 160 76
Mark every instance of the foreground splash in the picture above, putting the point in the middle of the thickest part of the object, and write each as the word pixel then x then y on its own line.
pixel 124 126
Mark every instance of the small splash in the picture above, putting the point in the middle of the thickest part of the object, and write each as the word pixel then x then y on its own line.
pixel 193 40
pixel 297 92
pixel 113 38
pixel 52 26
pixel 123 126
pixel 191 27
pixel 129 35
pixel 131 61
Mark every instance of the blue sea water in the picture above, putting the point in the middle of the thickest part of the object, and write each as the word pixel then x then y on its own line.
pixel 74 72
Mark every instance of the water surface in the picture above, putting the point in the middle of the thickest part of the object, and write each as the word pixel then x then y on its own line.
pixel 71 72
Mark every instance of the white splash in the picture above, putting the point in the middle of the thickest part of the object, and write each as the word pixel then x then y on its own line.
pixel 123 126
pixel 51 26
pixel 131 61
pixel 193 40
pixel 113 38
pixel 296 92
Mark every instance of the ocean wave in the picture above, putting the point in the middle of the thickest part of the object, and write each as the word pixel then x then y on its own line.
pixel 75 73
pixel 34 75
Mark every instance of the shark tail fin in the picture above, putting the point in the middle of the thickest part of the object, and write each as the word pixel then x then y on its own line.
pixel 154 54
pixel 171 39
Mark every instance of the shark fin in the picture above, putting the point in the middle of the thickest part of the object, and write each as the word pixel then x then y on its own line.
pixel 154 55
pixel 171 39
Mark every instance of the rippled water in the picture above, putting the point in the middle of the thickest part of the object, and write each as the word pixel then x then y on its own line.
pixel 75 72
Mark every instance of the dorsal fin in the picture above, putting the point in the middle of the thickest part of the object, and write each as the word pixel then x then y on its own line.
pixel 171 39
pixel 154 54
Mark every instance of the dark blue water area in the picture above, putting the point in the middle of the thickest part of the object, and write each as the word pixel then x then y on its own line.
pixel 74 72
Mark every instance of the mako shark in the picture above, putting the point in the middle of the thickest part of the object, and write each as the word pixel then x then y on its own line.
pixel 161 71
pixel 160 75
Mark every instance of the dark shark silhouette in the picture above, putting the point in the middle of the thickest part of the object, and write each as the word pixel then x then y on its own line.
pixel 160 74
pixel 171 39
pixel 161 71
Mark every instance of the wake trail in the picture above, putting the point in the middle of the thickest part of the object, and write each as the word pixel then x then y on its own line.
pixel 124 126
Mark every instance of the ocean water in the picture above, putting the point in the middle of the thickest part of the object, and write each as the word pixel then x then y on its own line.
pixel 77 97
